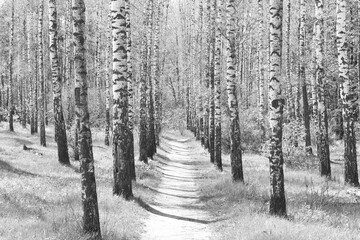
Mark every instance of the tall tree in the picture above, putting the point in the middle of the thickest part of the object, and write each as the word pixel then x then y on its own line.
pixel 305 102
pixel 11 68
pixel 60 130
pixel 156 72
pixel 151 140
pixel 91 223
pixel 107 81
pixel 348 96
pixel 261 69
pixel 121 131
pixel 235 140
pixel 276 105
pixel 217 87
pixel 41 99
pixel 130 89
pixel 143 86
pixel 212 82
pixel 322 130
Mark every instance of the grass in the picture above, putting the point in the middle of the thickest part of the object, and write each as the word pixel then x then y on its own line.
pixel 317 208
pixel 41 199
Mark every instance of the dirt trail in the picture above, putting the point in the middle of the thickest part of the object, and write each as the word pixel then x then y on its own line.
pixel 177 212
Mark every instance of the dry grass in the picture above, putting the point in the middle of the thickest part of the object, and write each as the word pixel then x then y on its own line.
pixel 317 208
pixel 40 199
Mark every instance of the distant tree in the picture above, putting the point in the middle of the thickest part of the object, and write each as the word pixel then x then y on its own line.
pixel 91 223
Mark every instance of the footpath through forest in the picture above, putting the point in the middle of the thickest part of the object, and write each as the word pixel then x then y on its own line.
pixel 177 212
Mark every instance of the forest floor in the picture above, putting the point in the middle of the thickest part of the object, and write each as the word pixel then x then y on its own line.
pixel 179 195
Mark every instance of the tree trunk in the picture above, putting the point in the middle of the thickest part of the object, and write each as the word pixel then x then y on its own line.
pixel 348 96
pixel 130 89
pixel 306 112
pixel 156 73
pixel 212 84
pixel 41 76
pixel 143 101
pixel 91 223
pixel 276 104
pixel 217 89
pixel 235 140
pixel 151 140
pixel 11 70
pixel 121 132
pixel 60 129
pixel 322 134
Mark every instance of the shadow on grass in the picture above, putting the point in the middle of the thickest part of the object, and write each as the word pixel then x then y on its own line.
pixel 7 167
pixel 150 209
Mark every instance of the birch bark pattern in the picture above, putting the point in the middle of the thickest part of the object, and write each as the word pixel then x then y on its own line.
pixel 306 112
pixel 41 76
pixel 121 132
pixel 323 151
pixel 276 105
pixel 212 82
pixel 235 138
pixel 261 69
pixel 61 139
pixel 130 89
pixel 143 100
pixel 217 89
pixel 348 96
pixel 107 80
pixel 91 223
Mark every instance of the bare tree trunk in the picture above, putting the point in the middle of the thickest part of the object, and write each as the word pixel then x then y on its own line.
pixel 91 223
pixel 11 70
pixel 60 129
pixel 41 76
pixel 276 105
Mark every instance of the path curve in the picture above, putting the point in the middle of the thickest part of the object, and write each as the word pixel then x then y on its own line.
pixel 177 212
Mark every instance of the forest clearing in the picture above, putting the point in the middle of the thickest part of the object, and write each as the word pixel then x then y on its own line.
pixel 179 119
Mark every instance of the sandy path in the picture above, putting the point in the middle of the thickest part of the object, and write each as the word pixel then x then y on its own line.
pixel 176 212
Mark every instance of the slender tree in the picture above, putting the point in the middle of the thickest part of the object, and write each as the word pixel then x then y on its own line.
pixel 261 69
pixel 121 131
pixel 217 88
pixel 305 103
pixel 91 223
pixel 60 130
pixel 348 96
pixel 235 140
pixel 276 104
pixel 322 130
pixel 107 82
pixel 11 68
pixel 130 89
pixel 212 82
pixel 143 86
pixel 41 99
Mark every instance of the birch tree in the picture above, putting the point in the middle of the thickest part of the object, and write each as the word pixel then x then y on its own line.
pixel 91 223
pixel 323 152
pixel 11 68
pixel 276 105
pixel 348 96
pixel 41 99
pixel 60 130
pixel 121 131
pixel 235 140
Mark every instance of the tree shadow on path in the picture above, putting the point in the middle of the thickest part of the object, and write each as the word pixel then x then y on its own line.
pixel 152 210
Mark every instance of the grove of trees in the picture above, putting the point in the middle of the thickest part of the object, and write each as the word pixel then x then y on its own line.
pixel 268 76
